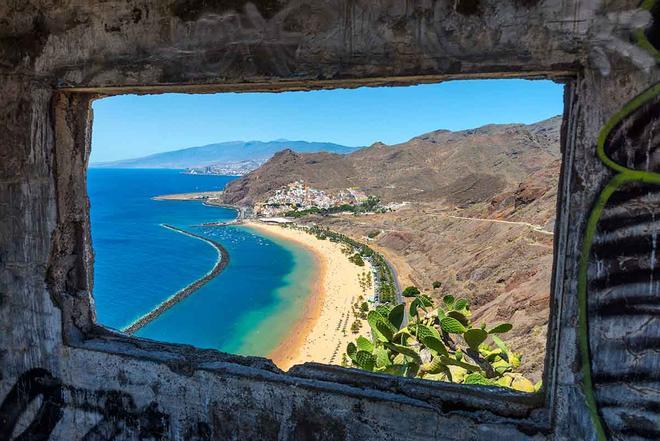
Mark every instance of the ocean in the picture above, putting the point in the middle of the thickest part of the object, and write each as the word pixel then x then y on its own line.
pixel 247 309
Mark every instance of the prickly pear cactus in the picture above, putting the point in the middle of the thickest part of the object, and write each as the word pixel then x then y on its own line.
pixel 438 343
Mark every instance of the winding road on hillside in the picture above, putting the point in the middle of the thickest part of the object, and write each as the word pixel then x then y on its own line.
pixel 392 268
pixel 536 228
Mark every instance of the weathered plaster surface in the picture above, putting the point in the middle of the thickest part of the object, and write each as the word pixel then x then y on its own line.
pixel 64 377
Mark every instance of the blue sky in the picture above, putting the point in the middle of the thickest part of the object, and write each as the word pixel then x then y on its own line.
pixel 130 126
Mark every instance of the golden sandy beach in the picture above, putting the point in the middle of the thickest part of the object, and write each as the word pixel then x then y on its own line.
pixel 323 332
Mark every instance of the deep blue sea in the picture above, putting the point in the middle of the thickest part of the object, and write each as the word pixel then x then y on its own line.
pixel 248 308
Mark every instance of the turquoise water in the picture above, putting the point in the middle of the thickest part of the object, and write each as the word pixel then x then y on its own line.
pixel 247 309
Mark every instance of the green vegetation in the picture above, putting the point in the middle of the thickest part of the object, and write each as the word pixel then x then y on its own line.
pixel 436 285
pixel 365 281
pixel 345 361
pixel 373 233
pixel 383 279
pixel 410 291
pixel 360 310
pixel 370 205
pixel 438 344
pixel 356 259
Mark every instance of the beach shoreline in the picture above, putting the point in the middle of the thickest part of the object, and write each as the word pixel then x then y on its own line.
pixel 322 331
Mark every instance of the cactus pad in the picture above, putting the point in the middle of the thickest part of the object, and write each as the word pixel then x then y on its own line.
pixel 452 326
pixel 474 337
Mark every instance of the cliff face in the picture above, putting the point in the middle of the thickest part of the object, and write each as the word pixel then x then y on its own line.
pixel 480 216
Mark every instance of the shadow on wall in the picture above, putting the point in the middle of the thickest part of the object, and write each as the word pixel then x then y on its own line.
pixel 120 417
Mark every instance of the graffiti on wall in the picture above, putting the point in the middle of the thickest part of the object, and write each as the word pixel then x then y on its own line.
pixel 618 280
pixel 619 271
pixel 120 418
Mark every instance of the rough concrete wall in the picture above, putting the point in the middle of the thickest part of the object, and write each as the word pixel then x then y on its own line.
pixel 63 377
pixel 620 266
pixel 623 276
pixel 146 42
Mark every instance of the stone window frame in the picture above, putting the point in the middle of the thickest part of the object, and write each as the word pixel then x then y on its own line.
pixel 70 274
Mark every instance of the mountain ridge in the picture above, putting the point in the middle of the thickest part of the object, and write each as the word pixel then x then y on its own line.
pixel 456 167
pixel 221 153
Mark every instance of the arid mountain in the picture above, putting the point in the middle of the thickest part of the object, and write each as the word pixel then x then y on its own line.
pixel 479 220
pixel 455 168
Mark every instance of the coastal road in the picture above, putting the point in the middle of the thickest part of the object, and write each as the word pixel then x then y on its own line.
pixel 395 279
pixel 537 228
pixel 221 263
pixel 397 288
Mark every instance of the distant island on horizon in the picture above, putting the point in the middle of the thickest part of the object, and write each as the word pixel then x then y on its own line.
pixel 238 158
pixel 233 158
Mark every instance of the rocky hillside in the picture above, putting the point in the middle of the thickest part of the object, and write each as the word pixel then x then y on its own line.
pixel 479 220
pixel 455 168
